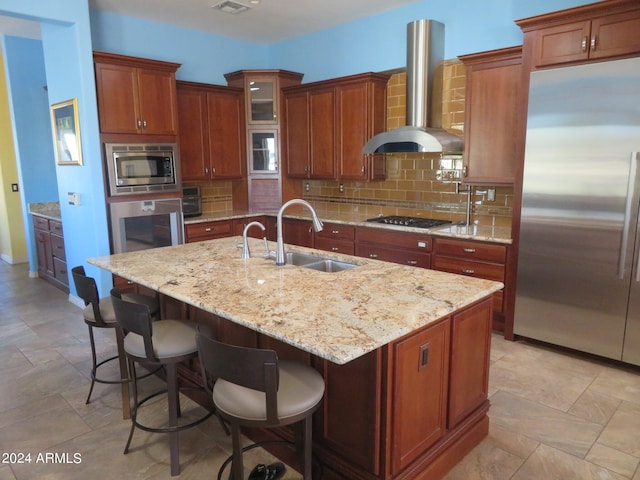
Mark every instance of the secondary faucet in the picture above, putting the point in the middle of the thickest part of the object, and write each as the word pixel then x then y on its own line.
pixel 317 226
pixel 245 243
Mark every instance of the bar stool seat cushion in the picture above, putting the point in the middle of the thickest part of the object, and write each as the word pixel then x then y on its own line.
pixel 106 307
pixel 299 389
pixel 171 338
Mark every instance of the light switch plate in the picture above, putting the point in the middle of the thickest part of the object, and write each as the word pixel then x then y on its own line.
pixel 73 198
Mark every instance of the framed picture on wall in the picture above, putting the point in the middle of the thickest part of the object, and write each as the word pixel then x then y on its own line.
pixel 66 132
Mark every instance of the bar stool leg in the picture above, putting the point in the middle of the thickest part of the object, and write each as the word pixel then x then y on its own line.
pixel 172 381
pixel 134 412
pixel 124 374
pixel 94 361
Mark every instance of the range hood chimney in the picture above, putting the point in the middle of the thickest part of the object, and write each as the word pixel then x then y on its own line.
pixel 425 51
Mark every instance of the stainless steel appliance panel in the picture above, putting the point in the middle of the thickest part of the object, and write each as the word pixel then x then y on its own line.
pixel 631 346
pixel 580 206
pixel 145 224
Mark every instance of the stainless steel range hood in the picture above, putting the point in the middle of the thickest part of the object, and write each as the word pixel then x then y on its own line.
pixel 423 133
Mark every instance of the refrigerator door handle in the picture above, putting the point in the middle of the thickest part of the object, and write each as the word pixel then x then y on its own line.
pixel 622 256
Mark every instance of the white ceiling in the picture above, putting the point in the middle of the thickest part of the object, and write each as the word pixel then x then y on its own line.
pixel 267 22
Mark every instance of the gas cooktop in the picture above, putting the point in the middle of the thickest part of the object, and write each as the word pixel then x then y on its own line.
pixel 415 222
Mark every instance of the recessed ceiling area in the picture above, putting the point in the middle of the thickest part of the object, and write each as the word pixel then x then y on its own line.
pixel 266 21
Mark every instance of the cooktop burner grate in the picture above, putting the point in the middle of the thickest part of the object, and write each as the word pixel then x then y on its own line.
pixel 416 222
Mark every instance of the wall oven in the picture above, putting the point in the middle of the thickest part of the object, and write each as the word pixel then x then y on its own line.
pixel 142 168
pixel 144 224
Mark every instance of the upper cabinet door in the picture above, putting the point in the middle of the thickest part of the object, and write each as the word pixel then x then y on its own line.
pixel 588 32
pixel 136 95
pixel 491 115
pixel 157 96
pixel 226 134
pixel 322 133
pixel 194 136
pixel 296 134
pixel 117 88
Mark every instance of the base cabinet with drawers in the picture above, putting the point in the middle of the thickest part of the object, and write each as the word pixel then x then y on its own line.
pixel 413 249
pixel 474 259
pixel 197 232
pixel 52 260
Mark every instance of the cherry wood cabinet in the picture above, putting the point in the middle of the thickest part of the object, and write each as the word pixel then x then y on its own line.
pixel 592 32
pixel 197 232
pixel 135 95
pixel 52 259
pixel 336 237
pixel 420 391
pixel 212 134
pixel 309 133
pixel 406 248
pixel 328 122
pixel 491 116
pixel 473 259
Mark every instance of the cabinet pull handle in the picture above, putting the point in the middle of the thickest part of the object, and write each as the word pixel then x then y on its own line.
pixel 363 169
pixel 334 249
pixel 139 123
pixel 335 232
pixel 464 170
pixel 468 271
pixel 208 229
pixel 469 250
pixel 373 255
pixel 584 44
pixel 144 124
pixel 594 42
pixel 424 356
pixel 412 262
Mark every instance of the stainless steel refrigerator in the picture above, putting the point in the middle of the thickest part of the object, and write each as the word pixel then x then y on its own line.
pixel 578 282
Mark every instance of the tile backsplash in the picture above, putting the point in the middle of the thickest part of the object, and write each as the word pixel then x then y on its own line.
pixel 411 187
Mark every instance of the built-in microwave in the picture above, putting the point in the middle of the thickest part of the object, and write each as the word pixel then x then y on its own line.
pixel 140 168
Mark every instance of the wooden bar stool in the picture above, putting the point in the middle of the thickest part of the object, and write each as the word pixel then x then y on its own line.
pixel 98 313
pixel 254 389
pixel 164 343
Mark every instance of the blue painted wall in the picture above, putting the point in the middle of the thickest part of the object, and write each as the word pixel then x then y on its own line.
pixel 70 32
pixel 204 57
pixel 29 104
pixel 68 63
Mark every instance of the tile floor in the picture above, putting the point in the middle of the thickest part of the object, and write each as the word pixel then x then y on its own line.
pixel 553 415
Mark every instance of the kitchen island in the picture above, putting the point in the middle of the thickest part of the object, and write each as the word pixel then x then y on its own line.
pixel 404 351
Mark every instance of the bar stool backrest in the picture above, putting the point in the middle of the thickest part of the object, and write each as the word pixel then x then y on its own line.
pixel 249 367
pixel 87 290
pixel 135 318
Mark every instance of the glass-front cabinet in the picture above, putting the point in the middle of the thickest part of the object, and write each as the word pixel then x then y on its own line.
pixel 263 152
pixel 263 128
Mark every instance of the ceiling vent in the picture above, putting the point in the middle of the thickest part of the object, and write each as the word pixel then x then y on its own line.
pixel 231 7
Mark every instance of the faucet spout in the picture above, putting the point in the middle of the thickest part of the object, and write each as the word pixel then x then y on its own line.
pixel 245 243
pixel 317 226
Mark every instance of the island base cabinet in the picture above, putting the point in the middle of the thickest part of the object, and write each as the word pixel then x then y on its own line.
pixel 421 370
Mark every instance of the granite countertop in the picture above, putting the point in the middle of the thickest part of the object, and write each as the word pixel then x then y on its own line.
pixel 472 232
pixel 336 316
pixel 50 210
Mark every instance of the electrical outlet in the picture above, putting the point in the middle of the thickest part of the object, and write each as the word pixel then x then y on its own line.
pixel 14 187
pixel 73 198
pixel 491 194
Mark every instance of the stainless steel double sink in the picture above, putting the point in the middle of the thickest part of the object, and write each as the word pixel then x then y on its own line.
pixel 315 262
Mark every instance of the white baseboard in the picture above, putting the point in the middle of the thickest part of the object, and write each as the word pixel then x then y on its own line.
pixel 12 261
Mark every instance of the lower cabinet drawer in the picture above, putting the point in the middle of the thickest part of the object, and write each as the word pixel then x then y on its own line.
pixel 208 230
pixel 489 271
pixel 403 257
pixel 332 245
pixel 57 247
pixel 60 271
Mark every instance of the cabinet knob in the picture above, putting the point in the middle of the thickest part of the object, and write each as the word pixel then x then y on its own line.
pixel 144 124
pixel 363 169
pixel 139 123
pixel 373 255
pixel 206 169
pixel 464 171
